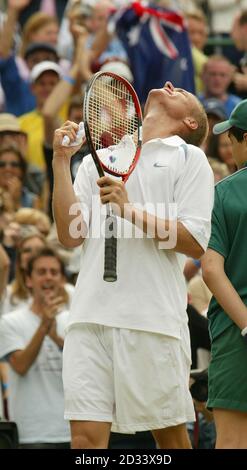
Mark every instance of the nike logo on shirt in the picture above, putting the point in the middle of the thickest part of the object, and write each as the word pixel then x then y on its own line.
pixel 159 165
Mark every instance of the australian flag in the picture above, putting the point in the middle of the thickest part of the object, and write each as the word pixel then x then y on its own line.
pixel 158 47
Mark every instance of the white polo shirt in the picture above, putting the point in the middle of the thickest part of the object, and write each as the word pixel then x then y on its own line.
pixel 150 293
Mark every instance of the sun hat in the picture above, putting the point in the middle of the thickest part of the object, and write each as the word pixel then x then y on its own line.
pixel 10 123
pixel 42 67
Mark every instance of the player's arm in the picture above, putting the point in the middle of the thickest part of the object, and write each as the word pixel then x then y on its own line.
pixel 160 229
pixel 64 197
pixel 185 243
pixel 219 284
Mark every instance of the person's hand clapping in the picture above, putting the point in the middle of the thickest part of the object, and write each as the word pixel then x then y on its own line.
pixel 51 307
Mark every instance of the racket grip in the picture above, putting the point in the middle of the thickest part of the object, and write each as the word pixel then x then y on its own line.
pixel 110 270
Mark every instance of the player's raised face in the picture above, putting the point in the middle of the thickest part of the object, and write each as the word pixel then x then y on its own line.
pixel 176 103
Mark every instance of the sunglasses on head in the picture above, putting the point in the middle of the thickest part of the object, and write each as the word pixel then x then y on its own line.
pixel 12 164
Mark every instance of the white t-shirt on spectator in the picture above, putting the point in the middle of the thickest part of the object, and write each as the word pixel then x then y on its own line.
pixel 36 401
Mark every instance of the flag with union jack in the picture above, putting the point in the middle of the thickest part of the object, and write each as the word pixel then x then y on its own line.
pixel 158 47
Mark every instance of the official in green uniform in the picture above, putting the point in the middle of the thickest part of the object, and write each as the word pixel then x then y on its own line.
pixel 225 272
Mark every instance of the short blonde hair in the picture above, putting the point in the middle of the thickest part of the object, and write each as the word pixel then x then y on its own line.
pixel 33 24
pixel 196 14
pixel 29 216
pixel 197 136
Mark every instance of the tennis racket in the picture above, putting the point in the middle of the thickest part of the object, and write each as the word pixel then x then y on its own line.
pixel 113 128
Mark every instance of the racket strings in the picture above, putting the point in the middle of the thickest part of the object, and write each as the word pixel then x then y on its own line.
pixel 113 121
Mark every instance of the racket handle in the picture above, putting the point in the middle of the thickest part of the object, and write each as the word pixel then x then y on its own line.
pixel 110 271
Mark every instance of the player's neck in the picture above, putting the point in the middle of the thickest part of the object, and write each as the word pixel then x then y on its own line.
pixel 154 128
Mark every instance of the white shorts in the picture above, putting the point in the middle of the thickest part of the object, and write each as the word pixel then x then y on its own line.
pixel 135 380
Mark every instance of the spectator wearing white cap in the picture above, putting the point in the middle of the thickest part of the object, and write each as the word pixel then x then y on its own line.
pixel 69 86
pixel 40 28
pixel 14 71
pixel 42 67
pixel 19 98
pixel 44 77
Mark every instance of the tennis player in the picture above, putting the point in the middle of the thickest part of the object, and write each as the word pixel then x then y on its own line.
pixel 127 352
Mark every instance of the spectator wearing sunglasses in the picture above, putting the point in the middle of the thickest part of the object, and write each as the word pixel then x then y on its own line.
pixel 11 134
pixel 12 174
